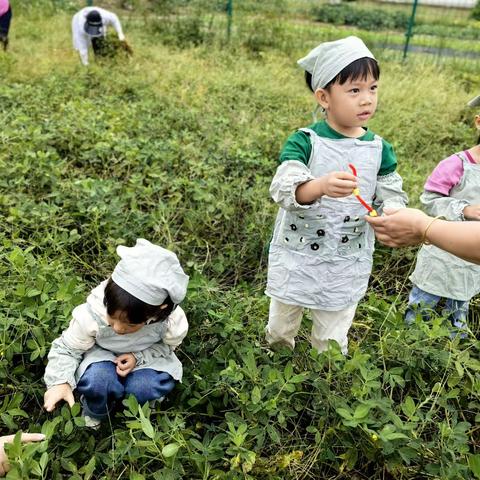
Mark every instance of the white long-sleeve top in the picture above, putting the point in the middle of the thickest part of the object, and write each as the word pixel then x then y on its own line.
pixel 81 40
pixel 89 339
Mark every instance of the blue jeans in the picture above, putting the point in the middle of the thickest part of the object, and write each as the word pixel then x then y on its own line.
pixel 424 303
pixel 100 386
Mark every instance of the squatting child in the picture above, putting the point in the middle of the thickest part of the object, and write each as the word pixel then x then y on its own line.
pixel 452 191
pixel 320 255
pixel 122 340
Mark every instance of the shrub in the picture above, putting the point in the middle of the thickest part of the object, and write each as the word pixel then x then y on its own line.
pixel 475 13
pixel 367 19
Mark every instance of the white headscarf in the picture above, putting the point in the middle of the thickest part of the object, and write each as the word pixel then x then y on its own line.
pixel 327 60
pixel 150 273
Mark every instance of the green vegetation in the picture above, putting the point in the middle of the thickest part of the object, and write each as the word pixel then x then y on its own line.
pixel 476 12
pixel 178 144
pixel 366 18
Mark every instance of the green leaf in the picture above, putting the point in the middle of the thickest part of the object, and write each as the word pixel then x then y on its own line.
pixel 361 411
pixel 196 444
pixel 35 468
pixel 343 412
pixel 474 464
pixel 44 460
pixel 408 407
pixel 256 395
pixel 68 465
pixel 288 372
pixel 459 368
pixel 273 434
pixel 68 427
pixel 297 378
pixel 136 476
pixel 88 469
pixel 75 410
pixel 170 450
pixel 146 425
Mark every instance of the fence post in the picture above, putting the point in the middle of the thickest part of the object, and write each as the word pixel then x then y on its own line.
pixel 229 18
pixel 409 33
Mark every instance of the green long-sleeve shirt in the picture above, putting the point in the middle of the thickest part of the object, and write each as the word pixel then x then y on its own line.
pixel 298 146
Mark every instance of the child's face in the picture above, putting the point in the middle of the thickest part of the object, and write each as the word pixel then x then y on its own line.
pixel 121 325
pixel 351 105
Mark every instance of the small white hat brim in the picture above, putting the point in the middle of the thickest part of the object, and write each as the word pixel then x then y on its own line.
pixel 474 102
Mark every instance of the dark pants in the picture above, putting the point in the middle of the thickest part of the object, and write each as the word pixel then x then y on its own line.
pixel 100 386
pixel 5 20
pixel 98 46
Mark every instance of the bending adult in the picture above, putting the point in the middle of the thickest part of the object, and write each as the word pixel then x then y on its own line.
pixel 408 226
pixel 5 19
pixel 89 27
pixel 26 437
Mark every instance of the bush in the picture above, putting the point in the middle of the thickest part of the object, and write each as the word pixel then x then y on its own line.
pixel 475 13
pixel 181 31
pixel 366 19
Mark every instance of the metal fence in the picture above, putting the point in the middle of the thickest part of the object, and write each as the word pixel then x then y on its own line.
pixel 442 31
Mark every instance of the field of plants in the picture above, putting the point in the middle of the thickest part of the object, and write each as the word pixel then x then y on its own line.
pixel 178 144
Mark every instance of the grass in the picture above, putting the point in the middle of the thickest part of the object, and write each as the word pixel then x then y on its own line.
pixel 179 144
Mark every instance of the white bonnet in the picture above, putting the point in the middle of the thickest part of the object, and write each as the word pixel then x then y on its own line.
pixel 474 102
pixel 150 273
pixel 328 59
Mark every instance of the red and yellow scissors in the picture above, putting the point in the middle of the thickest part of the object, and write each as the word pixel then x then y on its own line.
pixel 356 191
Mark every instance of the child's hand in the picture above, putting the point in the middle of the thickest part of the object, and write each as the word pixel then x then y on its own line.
pixel 125 364
pixel 55 394
pixel 335 184
pixel 472 212
pixel 338 184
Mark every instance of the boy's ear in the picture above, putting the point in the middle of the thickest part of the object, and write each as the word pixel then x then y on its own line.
pixel 322 97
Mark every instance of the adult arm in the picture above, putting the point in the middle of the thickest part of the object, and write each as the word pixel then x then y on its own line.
pixel 79 38
pixel 405 227
pixel 111 18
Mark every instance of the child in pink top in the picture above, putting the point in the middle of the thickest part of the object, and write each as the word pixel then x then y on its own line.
pixel 5 19
pixel 453 192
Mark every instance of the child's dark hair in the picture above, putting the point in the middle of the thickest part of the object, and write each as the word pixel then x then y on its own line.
pixel 358 69
pixel 116 299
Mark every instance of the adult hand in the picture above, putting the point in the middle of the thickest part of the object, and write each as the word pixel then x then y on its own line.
pixel 56 393
pixel 399 227
pixel 338 184
pixel 472 212
pixel 125 364
pixel 26 437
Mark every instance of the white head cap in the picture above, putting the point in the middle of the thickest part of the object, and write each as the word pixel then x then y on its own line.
pixel 150 273
pixel 474 102
pixel 327 60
